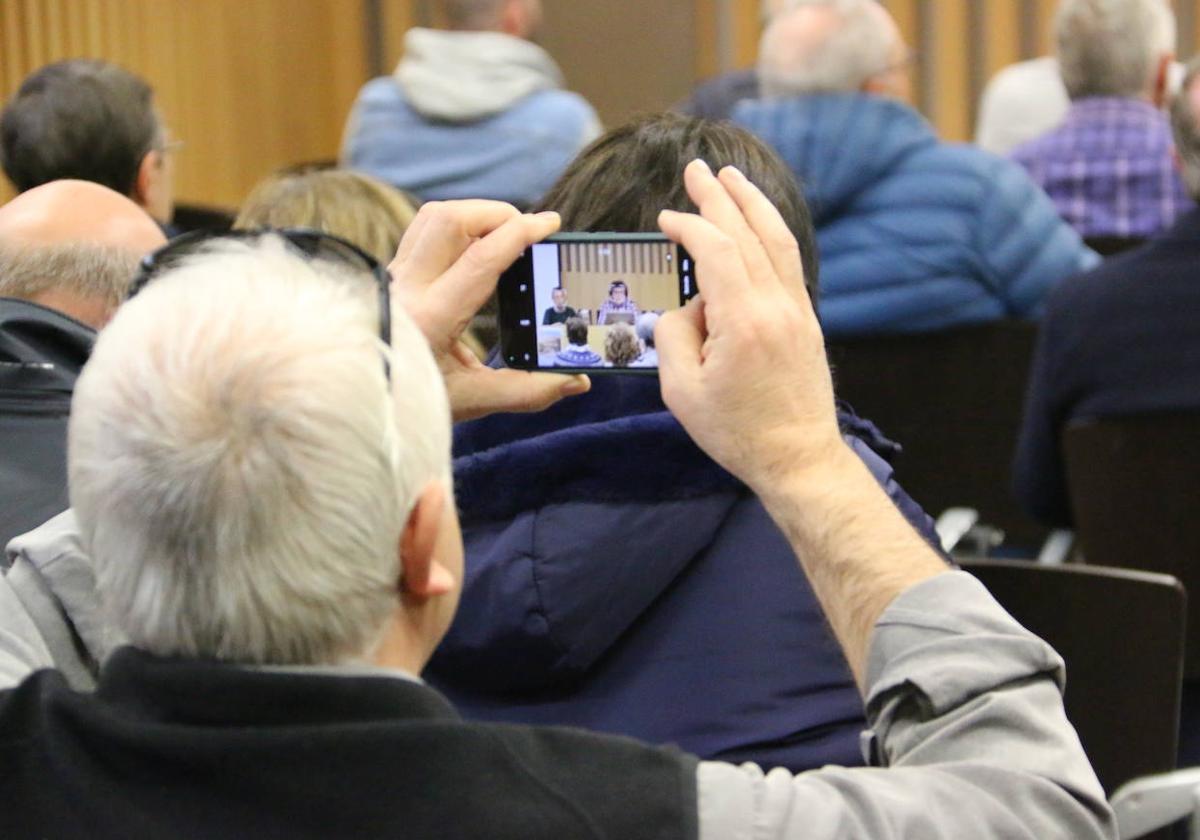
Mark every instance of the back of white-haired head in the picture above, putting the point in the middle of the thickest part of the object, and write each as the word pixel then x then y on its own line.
pixel 1112 47
pixel 240 472
pixel 824 46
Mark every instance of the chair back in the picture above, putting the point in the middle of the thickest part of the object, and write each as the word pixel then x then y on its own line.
pixel 953 400
pixel 1121 634
pixel 1134 484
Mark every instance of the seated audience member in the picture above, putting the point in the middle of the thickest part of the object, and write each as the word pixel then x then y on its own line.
pixel 356 207
pixel 577 354
pixel 1122 339
pixel 621 347
pixel 89 120
pixel 284 562
pixel 1021 102
pixel 714 98
pixel 477 111
pixel 606 494
pixel 1108 165
pixel 915 234
pixel 645 333
pixel 559 313
pixel 68 250
pixel 618 300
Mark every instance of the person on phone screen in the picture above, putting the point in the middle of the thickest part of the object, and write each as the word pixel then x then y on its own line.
pixel 559 312
pixel 577 354
pixel 645 334
pixel 618 300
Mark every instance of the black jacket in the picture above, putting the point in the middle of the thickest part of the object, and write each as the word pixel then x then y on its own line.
pixel 176 748
pixel 41 354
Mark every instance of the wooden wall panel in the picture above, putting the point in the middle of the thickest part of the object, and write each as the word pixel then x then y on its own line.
pixel 248 85
pixel 251 85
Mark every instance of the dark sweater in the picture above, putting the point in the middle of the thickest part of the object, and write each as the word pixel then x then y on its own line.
pixel 41 354
pixel 1123 339
pixel 194 749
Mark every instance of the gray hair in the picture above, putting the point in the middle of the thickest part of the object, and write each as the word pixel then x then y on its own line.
pixel 645 327
pixel 1112 47
pixel 94 272
pixel 856 48
pixel 1186 131
pixel 240 472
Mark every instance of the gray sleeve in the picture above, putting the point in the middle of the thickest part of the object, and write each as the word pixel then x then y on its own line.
pixel 967 723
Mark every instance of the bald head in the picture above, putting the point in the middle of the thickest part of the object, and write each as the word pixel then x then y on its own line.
pixel 832 46
pixel 73 246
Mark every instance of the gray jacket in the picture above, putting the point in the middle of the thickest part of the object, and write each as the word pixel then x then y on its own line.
pixel 50 616
pixel 964 707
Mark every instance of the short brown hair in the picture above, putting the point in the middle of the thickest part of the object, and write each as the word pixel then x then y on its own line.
pixel 623 180
pixel 356 207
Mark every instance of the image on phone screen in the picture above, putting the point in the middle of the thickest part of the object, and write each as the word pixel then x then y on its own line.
pixel 589 302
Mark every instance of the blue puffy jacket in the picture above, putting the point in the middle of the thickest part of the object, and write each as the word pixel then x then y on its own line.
pixel 617 579
pixel 915 234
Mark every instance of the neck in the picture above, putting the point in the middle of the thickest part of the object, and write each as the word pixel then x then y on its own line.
pixel 88 311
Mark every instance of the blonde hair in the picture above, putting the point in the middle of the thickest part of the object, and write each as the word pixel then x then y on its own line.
pixel 356 207
pixel 621 346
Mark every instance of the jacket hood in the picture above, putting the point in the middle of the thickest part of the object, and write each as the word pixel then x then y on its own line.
pixel 41 349
pixel 576 521
pixel 466 76
pixel 839 145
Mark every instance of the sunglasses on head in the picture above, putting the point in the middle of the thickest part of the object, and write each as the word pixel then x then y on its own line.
pixel 308 243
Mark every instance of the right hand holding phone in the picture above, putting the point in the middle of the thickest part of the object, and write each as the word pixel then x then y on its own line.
pixel 743 367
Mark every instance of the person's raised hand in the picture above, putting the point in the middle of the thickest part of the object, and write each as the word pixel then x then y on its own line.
pixel 446 268
pixel 743 366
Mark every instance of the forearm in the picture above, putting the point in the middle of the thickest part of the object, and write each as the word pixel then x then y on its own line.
pixel 857 550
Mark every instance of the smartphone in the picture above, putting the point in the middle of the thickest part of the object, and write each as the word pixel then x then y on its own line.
pixel 586 302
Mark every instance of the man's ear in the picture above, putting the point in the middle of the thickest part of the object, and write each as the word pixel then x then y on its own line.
pixel 1162 76
pixel 423 577
pixel 148 174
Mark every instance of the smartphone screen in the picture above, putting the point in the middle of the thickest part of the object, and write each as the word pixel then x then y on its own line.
pixel 588 301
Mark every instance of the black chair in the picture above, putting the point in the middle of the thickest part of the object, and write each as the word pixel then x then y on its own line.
pixel 1121 634
pixel 189 217
pixel 953 400
pixel 1134 484
pixel 1107 246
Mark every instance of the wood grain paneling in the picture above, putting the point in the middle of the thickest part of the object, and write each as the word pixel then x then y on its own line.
pixel 248 85
pixel 251 85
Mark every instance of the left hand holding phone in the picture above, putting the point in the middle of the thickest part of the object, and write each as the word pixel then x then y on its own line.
pixel 444 271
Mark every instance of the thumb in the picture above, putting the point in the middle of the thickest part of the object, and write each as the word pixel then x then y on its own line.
pixel 486 391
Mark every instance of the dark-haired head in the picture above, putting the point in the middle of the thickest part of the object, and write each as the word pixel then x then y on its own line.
pixel 623 180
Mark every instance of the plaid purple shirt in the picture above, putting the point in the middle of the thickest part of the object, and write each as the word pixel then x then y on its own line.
pixel 1108 168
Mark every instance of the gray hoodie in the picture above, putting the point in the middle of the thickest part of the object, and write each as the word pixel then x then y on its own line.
pixel 50 613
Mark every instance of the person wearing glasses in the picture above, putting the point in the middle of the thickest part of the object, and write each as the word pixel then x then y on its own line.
pixel 618 300
pixel 915 235
pixel 264 487
pixel 92 120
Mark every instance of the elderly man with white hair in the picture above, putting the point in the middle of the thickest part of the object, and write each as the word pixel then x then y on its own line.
pixel 915 234
pixel 264 485
pixel 1108 165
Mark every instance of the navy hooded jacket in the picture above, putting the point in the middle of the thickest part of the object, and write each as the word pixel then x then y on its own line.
pixel 915 235
pixel 619 580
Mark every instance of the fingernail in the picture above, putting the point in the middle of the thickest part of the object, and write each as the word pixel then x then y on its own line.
pixel 735 172
pixel 703 163
pixel 547 214
pixel 575 385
